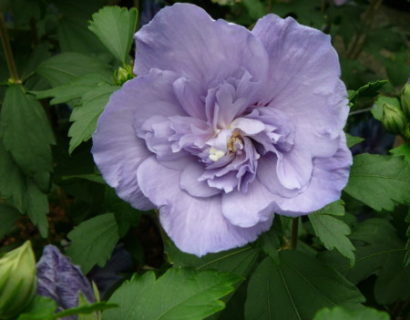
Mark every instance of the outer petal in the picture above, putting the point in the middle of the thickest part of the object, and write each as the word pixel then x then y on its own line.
pixel 250 208
pixel 329 177
pixel 305 84
pixel 185 39
pixel 116 148
pixel 196 225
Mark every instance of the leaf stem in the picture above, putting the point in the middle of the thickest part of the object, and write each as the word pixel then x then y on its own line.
pixel 8 53
pixel 295 232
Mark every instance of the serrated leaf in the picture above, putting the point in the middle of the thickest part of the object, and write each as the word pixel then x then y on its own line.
pixel 65 67
pixel 27 134
pixel 380 181
pixel 376 241
pixel 178 294
pixel 93 241
pixel 353 140
pixel 8 218
pixel 295 288
pixel 403 150
pixel 339 313
pixel 238 261
pixel 332 231
pixel 368 91
pixel 74 89
pixel 22 192
pixel 85 117
pixel 115 27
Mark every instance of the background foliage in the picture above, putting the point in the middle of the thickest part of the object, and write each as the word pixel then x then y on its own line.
pixel 352 259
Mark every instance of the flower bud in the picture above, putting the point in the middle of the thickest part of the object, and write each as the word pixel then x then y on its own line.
pixel 405 99
pixel 393 118
pixel 123 74
pixel 17 280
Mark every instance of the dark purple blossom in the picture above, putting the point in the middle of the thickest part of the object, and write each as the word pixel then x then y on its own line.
pixel 224 126
pixel 60 280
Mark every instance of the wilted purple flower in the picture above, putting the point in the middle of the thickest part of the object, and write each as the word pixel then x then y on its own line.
pixel 224 126
pixel 60 280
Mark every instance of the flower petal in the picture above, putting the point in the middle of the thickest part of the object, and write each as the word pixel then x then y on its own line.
pixel 185 39
pixel 248 209
pixel 305 84
pixel 189 182
pixel 196 225
pixel 329 177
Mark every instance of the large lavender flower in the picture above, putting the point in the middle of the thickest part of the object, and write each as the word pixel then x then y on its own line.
pixel 225 126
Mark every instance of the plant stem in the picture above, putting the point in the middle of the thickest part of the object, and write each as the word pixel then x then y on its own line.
pixel 8 53
pixel 295 232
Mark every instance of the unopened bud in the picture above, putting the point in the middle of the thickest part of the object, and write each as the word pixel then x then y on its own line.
pixel 123 74
pixel 17 280
pixel 405 99
pixel 393 118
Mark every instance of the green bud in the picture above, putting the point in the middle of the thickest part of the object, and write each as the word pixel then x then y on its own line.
pixel 123 74
pixel 393 118
pixel 17 280
pixel 405 99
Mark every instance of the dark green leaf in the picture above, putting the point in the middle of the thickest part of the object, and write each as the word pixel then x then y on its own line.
pixel 115 27
pixel 339 313
pixel 295 288
pixel 85 117
pixel 238 261
pixel 178 294
pixel 380 181
pixel 8 218
pixel 74 89
pixel 26 134
pixel 369 90
pixel 93 241
pixel 22 192
pixel 65 67
pixel 85 309
pixel 332 231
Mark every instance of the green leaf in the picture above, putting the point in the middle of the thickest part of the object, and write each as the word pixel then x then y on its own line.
pixel 115 27
pixel 339 313
pixel 377 108
pixel 332 231
pixel 8 218
pixel 295 287
pixel 74 89
pixel 238 261
pixel 65 67
pixel 41 308
pixel 85 309
pixel 380 181
pixel 93 241
pixel 178 294
pixel 85 117
pixel 376 243
pixel 367 93
pixel 22 192
pixel 353 140
pixel 403 150
pixel 27 134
